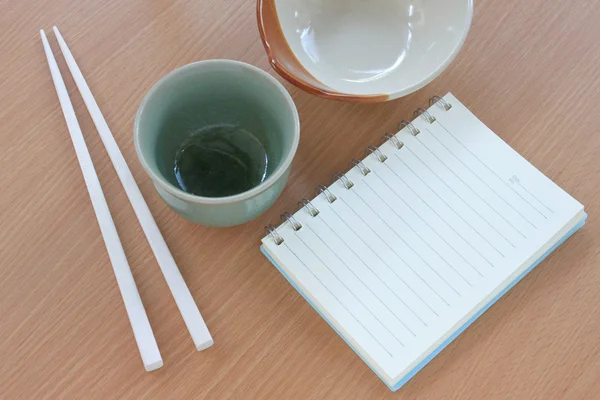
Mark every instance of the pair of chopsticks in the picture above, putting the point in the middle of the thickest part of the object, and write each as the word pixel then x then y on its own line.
pixel 142 331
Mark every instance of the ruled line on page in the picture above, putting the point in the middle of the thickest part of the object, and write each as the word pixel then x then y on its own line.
pixel 391 269
pixel 398 318
pixel 395 252
pixel 377 275
pixel 339 301
pixel 404 241
pixel 493 172
pixel 479 177
pixel 472 190
pixel 350 291
pixel 425 222
pixel 442 218
pixel 455 193
pixel 448 263
pixel 518 183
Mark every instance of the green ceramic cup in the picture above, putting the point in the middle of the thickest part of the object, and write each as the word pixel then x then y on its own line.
pixel 213 92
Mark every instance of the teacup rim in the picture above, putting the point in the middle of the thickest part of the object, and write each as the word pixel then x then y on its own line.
pixel 267 183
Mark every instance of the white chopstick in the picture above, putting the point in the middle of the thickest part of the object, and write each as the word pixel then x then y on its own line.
pixel 183 298
pixel 133 303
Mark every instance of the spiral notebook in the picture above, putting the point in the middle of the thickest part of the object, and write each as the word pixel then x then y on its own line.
pixel 405 250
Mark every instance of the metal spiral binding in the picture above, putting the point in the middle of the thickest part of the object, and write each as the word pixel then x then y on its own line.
pixel 271 231
pixel 343 179
pixel 411 128
pixel 328 195
pixel 423 112
pixel 380 156
pixel 286 216
pixel 440 101
pixel 312 210
pixel 392 138
pixel 361 167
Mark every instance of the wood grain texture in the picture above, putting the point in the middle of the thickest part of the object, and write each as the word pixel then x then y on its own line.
pixel 529 70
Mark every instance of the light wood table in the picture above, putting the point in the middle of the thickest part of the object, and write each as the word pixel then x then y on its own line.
pixel 530 70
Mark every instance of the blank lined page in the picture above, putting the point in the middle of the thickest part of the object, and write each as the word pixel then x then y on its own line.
pixel 416 244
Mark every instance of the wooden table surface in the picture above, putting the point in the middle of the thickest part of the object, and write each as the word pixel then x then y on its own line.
pixel 529 70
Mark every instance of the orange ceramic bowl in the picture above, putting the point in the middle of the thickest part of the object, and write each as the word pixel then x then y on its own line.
pixel 362 50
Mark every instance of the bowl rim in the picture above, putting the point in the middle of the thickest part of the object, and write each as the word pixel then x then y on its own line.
pixel 367 98
pixel 180 194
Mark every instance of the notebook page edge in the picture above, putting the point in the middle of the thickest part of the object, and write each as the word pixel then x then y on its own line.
pixel 523 271
pixel 524 162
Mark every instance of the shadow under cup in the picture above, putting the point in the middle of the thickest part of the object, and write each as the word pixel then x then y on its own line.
pixel 217 96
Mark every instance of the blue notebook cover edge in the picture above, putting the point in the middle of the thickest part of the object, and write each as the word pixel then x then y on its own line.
pixel 441 347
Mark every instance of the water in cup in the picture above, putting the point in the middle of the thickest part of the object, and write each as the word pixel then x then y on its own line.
pixel 219 161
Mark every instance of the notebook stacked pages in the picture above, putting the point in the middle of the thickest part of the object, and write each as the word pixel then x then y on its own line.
pixel 406 249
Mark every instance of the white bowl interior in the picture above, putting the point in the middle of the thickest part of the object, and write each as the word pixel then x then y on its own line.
pixel 370 47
